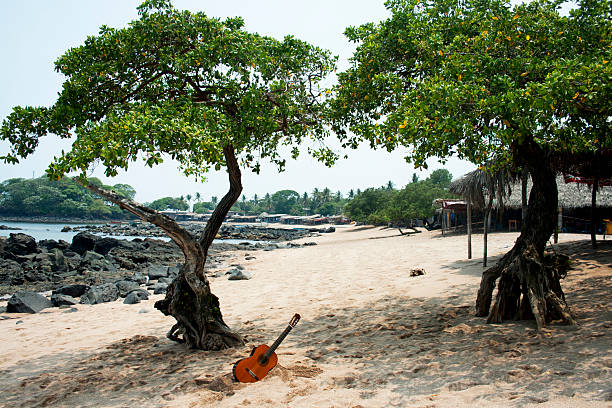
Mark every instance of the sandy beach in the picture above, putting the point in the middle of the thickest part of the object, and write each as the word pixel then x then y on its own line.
pixel 370 335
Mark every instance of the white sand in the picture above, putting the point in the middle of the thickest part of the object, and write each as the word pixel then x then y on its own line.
pixel 370 335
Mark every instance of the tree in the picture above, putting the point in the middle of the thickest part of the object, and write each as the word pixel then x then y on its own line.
pixel 514 86
pixel 169 203
pixel 441 177
pixel 283 201
pixel 199 90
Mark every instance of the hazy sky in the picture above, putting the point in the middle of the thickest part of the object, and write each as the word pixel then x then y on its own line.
pixel 34 33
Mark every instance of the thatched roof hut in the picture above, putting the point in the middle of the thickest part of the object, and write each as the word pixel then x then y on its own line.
pixel 571 195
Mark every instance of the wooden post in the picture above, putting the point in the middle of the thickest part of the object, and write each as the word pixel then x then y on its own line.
pixel 524 195
pixel 469 228
pixel 556 233
pixel 486 227
pixel 593 213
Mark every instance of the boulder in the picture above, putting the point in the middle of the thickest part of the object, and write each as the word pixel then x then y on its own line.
pixel 136 296
pixel 27 302
pixel 71 290
pixel 96 262
pixel 143 294
pixel 237 274
pixel 157 271
pixel 139 278
pixel 58 260
pixel 66 229
pixel 11 272
pixel 20 244
pixel 107 292
pixel 125 287
pixel 63 300
pixel 131 299
pixel 83 242
pixel 50 244
pixel 160 288
pixel 104 245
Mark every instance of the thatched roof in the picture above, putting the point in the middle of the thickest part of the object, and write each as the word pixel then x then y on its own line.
pixel 476 186
pixel 571 195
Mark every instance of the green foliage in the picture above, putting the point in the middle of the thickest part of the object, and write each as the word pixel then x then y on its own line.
pixel 441 177
pixel 63 198
pixel 389 206
pixel 169 203
pixel 180 85
pixel 479 78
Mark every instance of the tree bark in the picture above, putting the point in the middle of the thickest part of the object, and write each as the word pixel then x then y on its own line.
pixel 529 281
pixel 189 298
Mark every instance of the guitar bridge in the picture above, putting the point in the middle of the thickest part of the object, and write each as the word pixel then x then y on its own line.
pixel 252 374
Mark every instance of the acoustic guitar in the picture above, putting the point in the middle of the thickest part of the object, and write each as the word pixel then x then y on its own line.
pixel 262 359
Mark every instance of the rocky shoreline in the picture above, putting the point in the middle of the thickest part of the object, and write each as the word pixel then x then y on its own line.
pixel 96 269
pixel 246 232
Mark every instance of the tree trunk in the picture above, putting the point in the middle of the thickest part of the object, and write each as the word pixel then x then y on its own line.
pixel 189 298
pixel 529 281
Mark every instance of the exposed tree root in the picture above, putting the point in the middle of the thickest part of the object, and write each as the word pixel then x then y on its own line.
pixel 529 288
pixel 199 320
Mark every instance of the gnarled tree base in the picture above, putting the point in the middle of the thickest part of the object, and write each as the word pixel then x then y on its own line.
pixel 529 288
pixel 199 321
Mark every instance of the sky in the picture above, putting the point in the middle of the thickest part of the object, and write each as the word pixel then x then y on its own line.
pixel 33 33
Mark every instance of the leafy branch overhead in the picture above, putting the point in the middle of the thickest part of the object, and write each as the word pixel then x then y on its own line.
pixel 476 78
pixel 181 85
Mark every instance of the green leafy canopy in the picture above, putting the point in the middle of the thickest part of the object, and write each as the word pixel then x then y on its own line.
pixel 476 78
pixel 181 85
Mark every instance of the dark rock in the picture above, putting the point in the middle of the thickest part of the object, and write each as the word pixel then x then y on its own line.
pixel 125 287
pixel 63 300
pixel 167 280
pixel 237 274
pixel 58 260
pixel 157 271
pixel 27 302
pixel 83 242
pixel 66 229
pixel 107 292
pixel 50 244
pixel 71 290
pixel 104 245
pixel 173 271
pixel 329 229
pixel 131 299
pixel 96 262
pixel 143 294
pixel 11 272
pixel 20 244
pixel 248 258
pixel 139 278
pixel 309 243
pixel 160 288
pixel 2 309
pixel 6 228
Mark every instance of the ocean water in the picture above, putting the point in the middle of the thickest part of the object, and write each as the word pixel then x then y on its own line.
pixel 40 231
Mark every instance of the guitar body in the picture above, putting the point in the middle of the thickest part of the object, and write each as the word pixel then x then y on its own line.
pixel 255 367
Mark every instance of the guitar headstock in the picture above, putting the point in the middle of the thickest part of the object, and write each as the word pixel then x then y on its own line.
pixel 294 320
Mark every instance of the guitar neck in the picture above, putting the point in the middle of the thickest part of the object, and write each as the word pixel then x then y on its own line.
pixel 278 341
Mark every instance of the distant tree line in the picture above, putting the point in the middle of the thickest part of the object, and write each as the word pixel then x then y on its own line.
pixel 386 205
pixel 64 198
pixel 378 206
